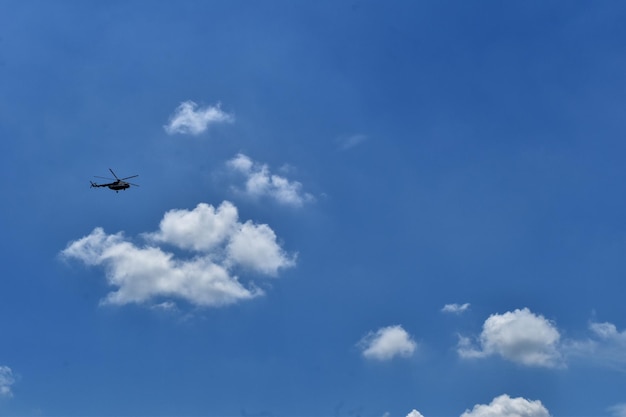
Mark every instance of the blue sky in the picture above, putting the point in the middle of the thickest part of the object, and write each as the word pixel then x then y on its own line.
pixel 344 208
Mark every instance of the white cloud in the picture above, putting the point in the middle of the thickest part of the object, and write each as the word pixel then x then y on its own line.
pixel 505 406
pixel 201 229
pixel 455 308
pixel 165 306
pixel 618 410
pixel 519 336
pixel 607 331
pixel 254 246
pixel 6 381
pixel 414 413
pixel 259 182
pixel 606 346
pixel 386 343
pixel 221 244
pixel 188 118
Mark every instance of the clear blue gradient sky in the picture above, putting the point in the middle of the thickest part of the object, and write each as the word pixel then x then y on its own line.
pixel 355 208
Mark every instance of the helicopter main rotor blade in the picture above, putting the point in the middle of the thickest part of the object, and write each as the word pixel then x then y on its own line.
pixel 134 185
pixel 104 178
pixel 113 174
pixel 132 176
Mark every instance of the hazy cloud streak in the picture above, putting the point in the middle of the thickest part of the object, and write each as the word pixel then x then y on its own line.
pixel 349 142
pixel 189 119
pixel 606 346
pixel 618 410
pixel 6 381
pixel 455 308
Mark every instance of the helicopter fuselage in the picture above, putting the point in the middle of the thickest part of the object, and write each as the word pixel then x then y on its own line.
pixel 118 185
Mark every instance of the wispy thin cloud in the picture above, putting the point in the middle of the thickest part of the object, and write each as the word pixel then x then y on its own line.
pixel 387 343
pixel 605 346
pixel 191 119
pixel 260 182
pixel 618 410
pixel 455 308
pixel 219 245
pixel 350 141
pixel 6 381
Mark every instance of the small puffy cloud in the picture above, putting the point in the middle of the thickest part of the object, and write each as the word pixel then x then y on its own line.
pixel 260 182
pixel 191 119
pixel 519 336
pixel 618 410
pixel 455 308
pixel 505 406
pixel 387 343
pixel 414 413
pixel 6 381
pixel 220 245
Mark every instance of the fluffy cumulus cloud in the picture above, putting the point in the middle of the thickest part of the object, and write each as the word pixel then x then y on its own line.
pixel 414 413
pixel 387 343
pixel 219 245
pixel 201 229
pixel 519 336
pixel 260 182
pixel 191 119
pixel 455 308
pixel 6 381
pixel 505 406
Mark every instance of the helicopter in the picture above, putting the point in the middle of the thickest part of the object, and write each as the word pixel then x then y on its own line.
pixel 118 184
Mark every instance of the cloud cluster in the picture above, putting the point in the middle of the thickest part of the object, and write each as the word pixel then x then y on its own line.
pixel 189 119
pixel 455 308
pixel 529 339
pixel 502 406
pixel 505 406
pixel 219 245
pixel 387 343
pixel 519 336
pixel 6 381
pixel 259 182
